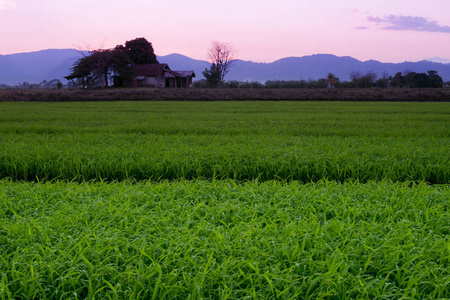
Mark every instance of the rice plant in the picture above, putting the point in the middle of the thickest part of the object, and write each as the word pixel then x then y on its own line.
pixel 304 141
pixel 223 240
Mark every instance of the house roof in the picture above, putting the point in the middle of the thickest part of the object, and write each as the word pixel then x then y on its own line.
pixel 186 73
pixel 150 69
pixel 171 73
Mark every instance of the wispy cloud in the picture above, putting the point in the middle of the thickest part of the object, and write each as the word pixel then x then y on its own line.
pixel 7 4
pixel 408 23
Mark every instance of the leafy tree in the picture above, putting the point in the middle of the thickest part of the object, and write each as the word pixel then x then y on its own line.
pixel 199 84
pixel 98 66
pixel 435 80
pixel 213 75
pixel 383 82
pixel 251 85
pixel 420 80
pixel 232 84
pixel 398 80
pixel 82 72
pixel 417 80
pixel 321 83
pixel 409 78
pixel 139 51
pixel 120 65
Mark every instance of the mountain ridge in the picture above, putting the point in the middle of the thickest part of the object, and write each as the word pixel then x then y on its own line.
pixel 34 67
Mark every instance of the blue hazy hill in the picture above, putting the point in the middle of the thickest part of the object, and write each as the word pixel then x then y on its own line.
pixel 34 67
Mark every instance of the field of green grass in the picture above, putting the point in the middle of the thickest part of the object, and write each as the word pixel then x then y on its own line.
pixel 221 240
pixel 305 141
pixel 224 200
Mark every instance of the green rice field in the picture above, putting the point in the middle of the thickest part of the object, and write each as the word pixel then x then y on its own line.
pixel 225 200
pixel 304 141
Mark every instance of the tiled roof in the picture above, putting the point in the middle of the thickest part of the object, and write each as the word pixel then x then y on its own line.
pixel 150 69
pixel 186 73
pixel 156 70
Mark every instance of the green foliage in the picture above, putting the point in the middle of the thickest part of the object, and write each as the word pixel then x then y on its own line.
pixel 435 80
pixel 331 80
pixel 363 81
pixel 397 80
pixel 382 82
pixel 96 68
pixel 358 80
pixel 276 84
pixel 247 226
pixel 222 240
pixel 200 84
pixel 213 75
pixel 417 80
pixel 305 141
pixel 83 72
pixel 139 51
pixel 234 84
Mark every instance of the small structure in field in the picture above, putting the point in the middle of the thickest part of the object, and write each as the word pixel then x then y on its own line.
pixel 182 79
pixel 145 75
pixel 160 75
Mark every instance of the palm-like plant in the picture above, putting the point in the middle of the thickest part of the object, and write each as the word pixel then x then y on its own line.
pixel 331 80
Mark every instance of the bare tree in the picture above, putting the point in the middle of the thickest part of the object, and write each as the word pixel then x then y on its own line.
pixel 356 76
pixel 98 61
pixel 222 55
pixel 363 81
pixel 369 79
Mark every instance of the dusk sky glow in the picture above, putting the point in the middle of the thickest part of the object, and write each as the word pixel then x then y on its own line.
pixel 261 30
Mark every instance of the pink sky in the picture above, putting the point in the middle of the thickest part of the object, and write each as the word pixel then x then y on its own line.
pixel 261 30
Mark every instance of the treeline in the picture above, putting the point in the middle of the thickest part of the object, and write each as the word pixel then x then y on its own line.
pixel 357 80
pixel 51 84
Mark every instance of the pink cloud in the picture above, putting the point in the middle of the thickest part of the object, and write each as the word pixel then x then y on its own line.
pixel 7 4
pixel 413 23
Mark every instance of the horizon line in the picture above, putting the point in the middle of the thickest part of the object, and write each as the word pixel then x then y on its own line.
pixel 444 61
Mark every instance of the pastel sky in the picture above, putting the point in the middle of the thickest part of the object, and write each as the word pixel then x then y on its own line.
pixel 261 30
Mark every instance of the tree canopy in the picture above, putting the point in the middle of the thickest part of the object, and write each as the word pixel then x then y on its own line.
pixel 417 80
pixel 139 50
pixel 213 75
pixel 97 67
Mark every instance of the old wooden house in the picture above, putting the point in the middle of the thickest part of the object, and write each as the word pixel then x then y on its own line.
pixel 160 75
pixel 182 79
pixel 145 75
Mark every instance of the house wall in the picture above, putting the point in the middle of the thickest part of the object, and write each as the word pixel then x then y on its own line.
pixel 159 81
pixel 179 82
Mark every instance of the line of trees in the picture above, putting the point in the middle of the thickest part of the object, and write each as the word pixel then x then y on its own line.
pixel 222 56
pixel 357 80
pixel 50 84
pixel 417 80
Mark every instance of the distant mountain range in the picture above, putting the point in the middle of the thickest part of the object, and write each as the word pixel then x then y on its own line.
pixel 34 67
